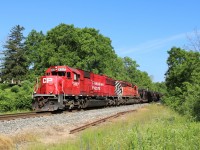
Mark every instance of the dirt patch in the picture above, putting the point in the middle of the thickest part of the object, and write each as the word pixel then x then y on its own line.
pixel 46 135
pixel 5 143
pixel 143 109
pixel 56 134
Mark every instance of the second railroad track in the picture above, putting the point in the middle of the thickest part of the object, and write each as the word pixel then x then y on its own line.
pixel 99 121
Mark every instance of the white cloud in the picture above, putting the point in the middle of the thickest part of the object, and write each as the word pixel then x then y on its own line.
pixel 153 44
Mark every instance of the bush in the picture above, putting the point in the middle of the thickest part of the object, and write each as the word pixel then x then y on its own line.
pixel 16 97
pixel 15 89
pixel 3 86
pixel 23 100
pixel 5 106
pixel 185 100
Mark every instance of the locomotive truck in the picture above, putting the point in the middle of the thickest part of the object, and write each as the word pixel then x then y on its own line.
pixel 63 87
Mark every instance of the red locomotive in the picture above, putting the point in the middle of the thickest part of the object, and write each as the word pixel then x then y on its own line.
pixel 63 87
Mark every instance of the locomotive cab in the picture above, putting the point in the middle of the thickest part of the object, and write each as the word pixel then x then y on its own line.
pixel 57 82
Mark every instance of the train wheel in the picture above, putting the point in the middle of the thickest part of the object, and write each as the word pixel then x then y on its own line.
pixel 117 103
pixel 71 106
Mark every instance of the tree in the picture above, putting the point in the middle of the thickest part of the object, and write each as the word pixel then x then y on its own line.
pixel 183 81
pixel 181 65
pixel 134 75
pixel 160 87
pixel 83 48
pixel 194 41
pixel 130 69
pixel 34 52
pixel 14 62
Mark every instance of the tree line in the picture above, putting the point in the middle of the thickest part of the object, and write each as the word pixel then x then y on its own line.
pixel 183 82
pixel 28 57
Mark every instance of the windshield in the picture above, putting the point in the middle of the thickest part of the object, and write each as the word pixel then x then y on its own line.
pixel 60 73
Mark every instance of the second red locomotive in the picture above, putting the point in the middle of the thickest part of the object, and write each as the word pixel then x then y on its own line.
pixel 63 87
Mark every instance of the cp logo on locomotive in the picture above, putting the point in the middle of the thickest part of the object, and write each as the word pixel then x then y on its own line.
pixel 47 80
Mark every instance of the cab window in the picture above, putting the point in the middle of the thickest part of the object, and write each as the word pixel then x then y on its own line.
pixel 48 74
pixel 76 76
pixel 54 73
pixel 68 75
pixel 61 73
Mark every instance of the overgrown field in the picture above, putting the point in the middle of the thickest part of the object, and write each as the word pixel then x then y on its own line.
pixel 152 127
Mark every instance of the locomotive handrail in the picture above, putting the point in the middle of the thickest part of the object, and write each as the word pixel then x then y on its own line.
pixel 62 87
pixel 36 86
pixel 56 85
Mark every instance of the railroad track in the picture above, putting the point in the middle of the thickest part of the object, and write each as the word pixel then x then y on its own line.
pixel 99 121
pixel 6 117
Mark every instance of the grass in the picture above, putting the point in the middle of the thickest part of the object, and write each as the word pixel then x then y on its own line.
pixel 153 127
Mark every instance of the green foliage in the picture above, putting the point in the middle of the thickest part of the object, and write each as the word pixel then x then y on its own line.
pixel 14 63
pixel 5 106
pixel 160 87
pixel 16 97
pixel 81 48
pixel 183 82
pixel 132 74
pixel 3 86
pixel 15 89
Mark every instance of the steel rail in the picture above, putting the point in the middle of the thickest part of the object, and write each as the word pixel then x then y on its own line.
pixel 6 117
pixel 99 121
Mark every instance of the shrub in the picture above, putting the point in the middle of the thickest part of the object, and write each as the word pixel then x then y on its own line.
pixel 15 89
pixel 16 97
pixel 6 106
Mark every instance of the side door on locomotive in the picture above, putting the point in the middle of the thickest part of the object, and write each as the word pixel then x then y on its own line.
pixel 72 82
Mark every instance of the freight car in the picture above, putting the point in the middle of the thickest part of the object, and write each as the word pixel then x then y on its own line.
pixel 63 87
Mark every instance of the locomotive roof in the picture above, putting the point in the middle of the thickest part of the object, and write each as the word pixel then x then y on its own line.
pixel 73 70
pixel 67 67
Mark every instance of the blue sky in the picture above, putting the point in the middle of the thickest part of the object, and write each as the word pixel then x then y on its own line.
pixel 143 30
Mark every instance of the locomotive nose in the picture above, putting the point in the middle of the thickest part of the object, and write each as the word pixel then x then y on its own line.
pixel 50 88
pixel 48 85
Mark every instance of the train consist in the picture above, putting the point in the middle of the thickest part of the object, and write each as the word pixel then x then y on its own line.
pixel 63 87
